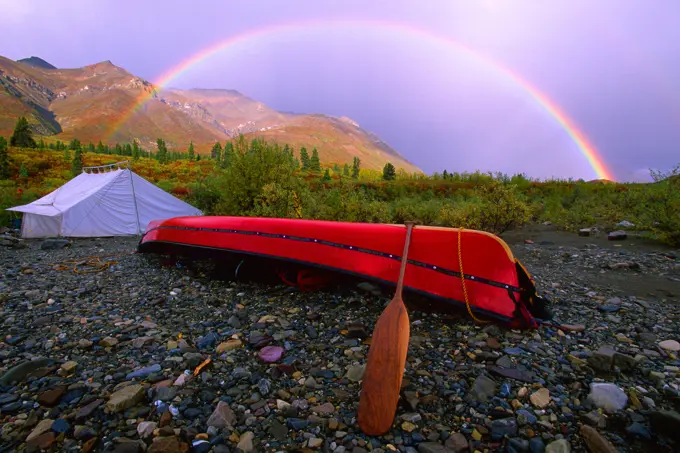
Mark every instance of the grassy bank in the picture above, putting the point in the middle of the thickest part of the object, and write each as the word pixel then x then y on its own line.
pixel 265 180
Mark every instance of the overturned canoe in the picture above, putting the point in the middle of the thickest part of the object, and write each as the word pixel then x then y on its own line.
pixel 492 285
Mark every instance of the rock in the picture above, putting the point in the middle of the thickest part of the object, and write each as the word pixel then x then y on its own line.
pixel 146 429
pixel 559 446
pixel 457 443
pixel 42 427
pixel 602 359
pixel 666 423
pixel 618 235
pixel 595 442
pixel 540 398
pixel 270 354
pixel 222 416
pixel 314 442
pixel 245 442
pixel 483 389
pixel 168 445
pixel 50 398
pixel 607 396
pixel 584 232
pixel 54 244
pixel 433 447
pixel 108 342
pixel 355 373
pixel 69 367
pixel 125 398
pixel 670 345
pixel 229 345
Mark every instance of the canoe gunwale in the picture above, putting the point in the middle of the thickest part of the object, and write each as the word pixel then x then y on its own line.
pixel 454 302
pixel 439 269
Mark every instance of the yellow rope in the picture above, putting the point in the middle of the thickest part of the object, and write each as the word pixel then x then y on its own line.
pixel 94 262
pixel 462 278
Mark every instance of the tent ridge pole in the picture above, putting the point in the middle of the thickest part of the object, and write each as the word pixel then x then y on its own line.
pixel 134 198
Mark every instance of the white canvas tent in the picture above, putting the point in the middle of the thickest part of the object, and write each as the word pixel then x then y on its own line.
pixel 101 201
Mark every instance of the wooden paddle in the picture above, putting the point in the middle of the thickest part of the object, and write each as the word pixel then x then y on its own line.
pixel 386 360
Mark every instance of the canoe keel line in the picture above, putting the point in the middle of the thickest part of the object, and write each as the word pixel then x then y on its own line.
pixel 463 269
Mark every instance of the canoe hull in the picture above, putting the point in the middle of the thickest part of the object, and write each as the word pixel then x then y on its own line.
pixel 493 281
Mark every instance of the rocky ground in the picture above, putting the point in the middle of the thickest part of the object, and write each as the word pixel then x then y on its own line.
pixel 115 360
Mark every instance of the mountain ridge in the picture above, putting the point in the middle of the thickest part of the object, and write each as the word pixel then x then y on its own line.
pixel 102 101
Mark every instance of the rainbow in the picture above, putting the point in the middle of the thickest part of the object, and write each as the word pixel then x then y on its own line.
pixel 585 147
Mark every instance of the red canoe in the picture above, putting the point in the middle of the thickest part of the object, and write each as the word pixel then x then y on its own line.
pixel 498 287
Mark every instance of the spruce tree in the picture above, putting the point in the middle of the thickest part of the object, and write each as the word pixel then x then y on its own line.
pixel 356 165
pixel 389 172
pixel 22 137
pixel 5 172
pixel 216 152
pixel 74 144
pixel 327 175
pixel 191 151
pixel 304 158
pixel 345 170
pixel 227 155
pixel 135 150
pixel 314 162
pixel 162 154
pixel 77 163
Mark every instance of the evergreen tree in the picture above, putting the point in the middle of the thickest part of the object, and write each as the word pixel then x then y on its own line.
pixel 23 172
pixel 5 172
pixel 67 155
pixel 445 175
pixel 327 175
pixel 345 170
pixel 101 149
pixel 216 152
pixel 198 157
pixel 74 144
pixel 42 144
pixel 228 155
pixel 191 151
pixel 356 165
pixel 119 149
pixel 135 150
pixel 314 162
pixel 389 172
pixel 90 147
pixel 304 158
pixel 336 168
pixel 22 136
pixel 162 153
pixel 77 163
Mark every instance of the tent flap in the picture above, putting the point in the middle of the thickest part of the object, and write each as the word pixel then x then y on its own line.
pixel 113 203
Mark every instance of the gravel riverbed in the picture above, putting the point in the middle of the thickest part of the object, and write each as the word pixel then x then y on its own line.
pixel 106 361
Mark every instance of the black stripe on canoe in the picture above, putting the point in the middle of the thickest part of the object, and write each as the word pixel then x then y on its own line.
pixel 454 302
pixel 441 270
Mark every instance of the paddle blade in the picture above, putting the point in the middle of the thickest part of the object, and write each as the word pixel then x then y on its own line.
pixel 384 369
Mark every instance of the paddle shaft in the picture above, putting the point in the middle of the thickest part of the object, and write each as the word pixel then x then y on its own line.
pixel 404 259
pixel 386 360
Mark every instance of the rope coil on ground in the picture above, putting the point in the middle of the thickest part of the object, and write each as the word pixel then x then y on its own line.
pixel 89 264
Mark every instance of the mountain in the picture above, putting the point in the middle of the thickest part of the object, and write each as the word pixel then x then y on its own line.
pixel 105 102
pixel 37 62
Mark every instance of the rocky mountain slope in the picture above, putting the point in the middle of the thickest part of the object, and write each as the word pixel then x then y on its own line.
pixel 105 102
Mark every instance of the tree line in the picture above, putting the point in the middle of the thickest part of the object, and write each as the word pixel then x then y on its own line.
pixel 223 155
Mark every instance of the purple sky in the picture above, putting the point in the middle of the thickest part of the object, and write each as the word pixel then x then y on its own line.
pixel 611 65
